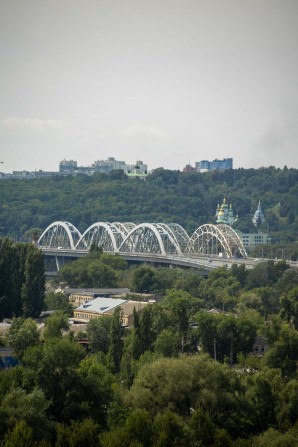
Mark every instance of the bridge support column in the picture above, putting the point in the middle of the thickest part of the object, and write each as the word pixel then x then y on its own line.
pixel 59 263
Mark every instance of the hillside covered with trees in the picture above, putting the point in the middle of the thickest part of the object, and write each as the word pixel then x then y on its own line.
pixel 189 199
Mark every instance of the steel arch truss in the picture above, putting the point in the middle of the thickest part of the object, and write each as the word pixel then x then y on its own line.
pixel 178 234
pixel 151 238
pixel 107 235
pixel 125 227
pixel 60 234
pixel 213 239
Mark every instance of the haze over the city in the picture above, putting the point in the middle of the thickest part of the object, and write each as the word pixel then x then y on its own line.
pixel 166 82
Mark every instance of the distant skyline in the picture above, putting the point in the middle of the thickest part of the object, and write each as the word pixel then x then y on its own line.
pixel 166 82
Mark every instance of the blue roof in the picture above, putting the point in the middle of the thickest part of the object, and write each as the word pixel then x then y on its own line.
pixel 101 305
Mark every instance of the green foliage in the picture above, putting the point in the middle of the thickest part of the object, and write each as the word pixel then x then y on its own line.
pixel 22 335
pixel 78 434
pixel 22 280
pixel 55 324
pixel 284 352
pixel 167 343
pixel 96 391
pixel 289 307
pixel 171 430
pixel 116 340
pixel 265 274
pixel 158 280
pixel 143 279
pixel 221 289
pixel 20 435
pixel 98 333
pixel 263 396
pixel 32 291
pixel 93 271
pixel 185 383
pixel 288 280
pixel 18 406
pixel 275 438
pixel 224 336
pixel 58 301
pixel 202 426
pixel 55 371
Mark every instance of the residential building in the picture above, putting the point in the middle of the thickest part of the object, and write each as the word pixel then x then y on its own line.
pixel 111 164
pixel 250 240
pixel 68 166
pixel 215 165
pixel 138 168
pixel 189 168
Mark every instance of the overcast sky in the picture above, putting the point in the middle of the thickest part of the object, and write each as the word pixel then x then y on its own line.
pixel 169 82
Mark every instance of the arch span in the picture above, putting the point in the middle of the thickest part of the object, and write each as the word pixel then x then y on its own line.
pixel 60 234
pixel 150 238
pixel 125 227
pixel 107 235
pixel 178 234
pixel 212 239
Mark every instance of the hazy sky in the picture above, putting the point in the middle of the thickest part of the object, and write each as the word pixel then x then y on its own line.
pixel 164 81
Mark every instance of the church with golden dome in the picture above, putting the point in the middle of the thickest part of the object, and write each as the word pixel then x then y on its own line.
pixel 225 214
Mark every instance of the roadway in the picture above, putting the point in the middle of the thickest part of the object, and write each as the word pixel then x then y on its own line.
pixel 188 260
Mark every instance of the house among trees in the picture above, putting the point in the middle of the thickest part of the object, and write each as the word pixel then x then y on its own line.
pixel 260 346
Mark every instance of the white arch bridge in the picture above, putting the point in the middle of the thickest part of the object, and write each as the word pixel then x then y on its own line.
pixel 161 241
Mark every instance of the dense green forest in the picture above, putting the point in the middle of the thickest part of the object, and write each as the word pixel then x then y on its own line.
pixel 189 199
pixel 182 376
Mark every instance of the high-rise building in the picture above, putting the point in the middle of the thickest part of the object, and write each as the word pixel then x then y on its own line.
pixel 215 165
pixel 68 166
pixel 103 166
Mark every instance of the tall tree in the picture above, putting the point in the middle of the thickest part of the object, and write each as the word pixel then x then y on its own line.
pixel 98 333
pixel 289 307
pixel 116 339
pixel 8 279
pixel 34 283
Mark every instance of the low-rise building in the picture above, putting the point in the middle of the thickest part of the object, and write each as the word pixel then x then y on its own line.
pixel 78 297
pixel 106 306
pixel 250 240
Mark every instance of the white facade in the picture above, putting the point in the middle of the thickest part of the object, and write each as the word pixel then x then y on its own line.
pixel 253 239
